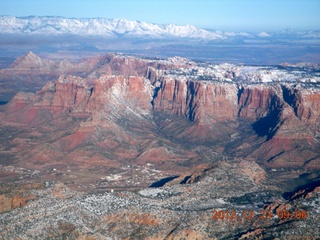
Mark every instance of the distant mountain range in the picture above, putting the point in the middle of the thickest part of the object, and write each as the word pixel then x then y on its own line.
pixel 101 27
pixel 120 27
pixel 75 38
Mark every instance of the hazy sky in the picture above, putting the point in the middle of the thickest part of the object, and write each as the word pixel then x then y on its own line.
pixel 235 15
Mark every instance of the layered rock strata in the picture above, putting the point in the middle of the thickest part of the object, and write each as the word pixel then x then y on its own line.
pixel 130 109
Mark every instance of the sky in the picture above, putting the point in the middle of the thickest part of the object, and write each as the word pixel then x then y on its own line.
pixel 225 15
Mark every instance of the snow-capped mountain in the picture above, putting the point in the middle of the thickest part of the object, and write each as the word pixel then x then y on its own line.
pixel 101 26
pixel 120 27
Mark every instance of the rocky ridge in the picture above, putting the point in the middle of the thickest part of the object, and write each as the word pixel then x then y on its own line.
pixel 118 27
pixel 118 102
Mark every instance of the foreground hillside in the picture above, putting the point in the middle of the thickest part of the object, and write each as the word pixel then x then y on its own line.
pixel 257 209
pixel 219 136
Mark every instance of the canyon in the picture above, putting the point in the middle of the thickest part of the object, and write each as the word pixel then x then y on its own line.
pixel 121 123
pixel 133 109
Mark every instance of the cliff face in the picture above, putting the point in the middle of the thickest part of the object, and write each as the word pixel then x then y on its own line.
pixel 305 104
pixel 130 108
pixel 256 102
pixel 120 92
pixel 288 117
pixel 266 106
pixel 280 104
pixel 275 111
pixel 197 101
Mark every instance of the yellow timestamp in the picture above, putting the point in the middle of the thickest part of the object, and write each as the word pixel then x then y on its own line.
pixel 264 214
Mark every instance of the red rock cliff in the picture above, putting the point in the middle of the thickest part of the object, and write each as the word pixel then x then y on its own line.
pixel 197 101
pixel 281 115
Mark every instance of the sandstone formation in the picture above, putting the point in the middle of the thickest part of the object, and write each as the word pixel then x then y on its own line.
pixel 115 110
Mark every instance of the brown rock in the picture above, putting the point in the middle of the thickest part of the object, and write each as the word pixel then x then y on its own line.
pixel 17 197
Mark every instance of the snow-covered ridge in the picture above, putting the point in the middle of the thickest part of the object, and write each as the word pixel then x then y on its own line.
pixel 226 72
pixel 100 26
pixel 120 27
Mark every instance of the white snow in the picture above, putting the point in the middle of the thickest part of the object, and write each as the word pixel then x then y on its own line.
pixel 150 192
pixel 100 26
